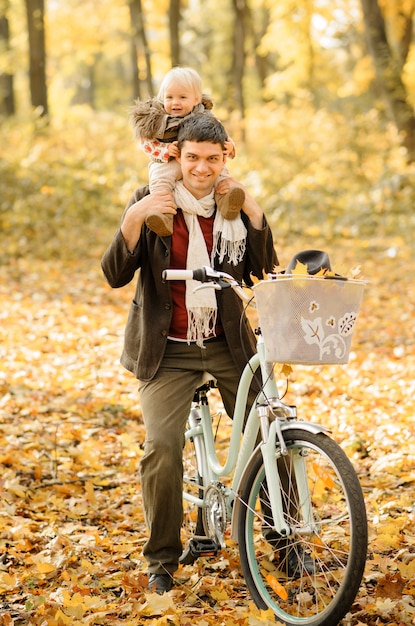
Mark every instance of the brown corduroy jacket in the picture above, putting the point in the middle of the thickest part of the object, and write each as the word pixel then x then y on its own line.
pixel 151 309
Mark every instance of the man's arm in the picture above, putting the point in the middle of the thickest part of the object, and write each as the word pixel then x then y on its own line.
pixel 135 215
pixel 121 259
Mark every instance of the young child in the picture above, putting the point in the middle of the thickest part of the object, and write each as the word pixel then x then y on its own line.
pixel 156 121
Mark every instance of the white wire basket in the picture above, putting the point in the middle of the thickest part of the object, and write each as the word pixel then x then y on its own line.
pixel 308 320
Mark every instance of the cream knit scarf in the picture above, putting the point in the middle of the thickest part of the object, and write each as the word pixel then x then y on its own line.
pixel 229 237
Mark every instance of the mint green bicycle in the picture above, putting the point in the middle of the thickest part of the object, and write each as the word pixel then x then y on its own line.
pixel 288 490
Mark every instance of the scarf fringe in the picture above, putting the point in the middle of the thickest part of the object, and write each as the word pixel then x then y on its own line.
pixel 202 322
pixel 235 250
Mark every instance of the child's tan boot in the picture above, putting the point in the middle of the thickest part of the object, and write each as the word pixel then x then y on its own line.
pixel 230 204
pixel 160 223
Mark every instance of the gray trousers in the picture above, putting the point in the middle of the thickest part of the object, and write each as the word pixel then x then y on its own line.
pixel 166 401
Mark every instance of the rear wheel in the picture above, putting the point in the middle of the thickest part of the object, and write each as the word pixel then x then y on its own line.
pixel 312 577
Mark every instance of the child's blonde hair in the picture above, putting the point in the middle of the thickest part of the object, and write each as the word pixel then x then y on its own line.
pixel 186 77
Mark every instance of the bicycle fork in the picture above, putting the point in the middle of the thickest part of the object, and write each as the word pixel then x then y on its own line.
pixel 273 439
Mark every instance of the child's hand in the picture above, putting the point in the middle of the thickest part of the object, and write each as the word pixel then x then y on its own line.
pixel 229 148
pixel 173 149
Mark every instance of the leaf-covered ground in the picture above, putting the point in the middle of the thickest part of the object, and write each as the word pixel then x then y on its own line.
pixel 71 521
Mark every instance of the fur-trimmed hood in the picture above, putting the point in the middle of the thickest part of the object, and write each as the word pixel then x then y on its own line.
pixel 150 120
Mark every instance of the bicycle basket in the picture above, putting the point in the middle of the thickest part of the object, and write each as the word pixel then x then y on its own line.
pixel 308 320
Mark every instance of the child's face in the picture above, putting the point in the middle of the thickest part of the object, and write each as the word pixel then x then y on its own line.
pixel 179 100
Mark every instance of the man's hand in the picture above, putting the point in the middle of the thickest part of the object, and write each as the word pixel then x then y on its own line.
pixel 161 201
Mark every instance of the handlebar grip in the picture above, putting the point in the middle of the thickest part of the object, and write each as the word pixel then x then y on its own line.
pixel 199 275
pixel 177 274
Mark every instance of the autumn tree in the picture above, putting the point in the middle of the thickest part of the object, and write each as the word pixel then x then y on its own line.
pixel 35 10
pixel 174 30
pixel 257 24
pixel 6 77
pixel 238 65
pixel 389 61
pixel 139 44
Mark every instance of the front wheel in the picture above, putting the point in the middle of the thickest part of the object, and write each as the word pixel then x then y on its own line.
pixel 312 577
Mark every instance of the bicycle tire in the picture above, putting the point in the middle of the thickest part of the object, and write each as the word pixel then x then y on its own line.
pixel 331 560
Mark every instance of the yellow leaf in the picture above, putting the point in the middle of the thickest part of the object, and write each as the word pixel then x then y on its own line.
pixel 317 543
pixel 277 587
pixel 260 617
pixel 7 581
pixel 156 604
pixel 61 618
pixel 323 475
pixel 219 594
pixel 45 568
pixel 407 570
pixel 87 565
pixel 300 269
pixel 286 370
pixel 90 493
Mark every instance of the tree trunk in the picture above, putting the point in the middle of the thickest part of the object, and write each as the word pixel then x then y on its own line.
pixel 257 28
pixel 174 25
pixel 135 77
pixel 37 54
pixel 239 8
pixel 7 106
pixel 139 43
pixel 405 40
pixel 388 75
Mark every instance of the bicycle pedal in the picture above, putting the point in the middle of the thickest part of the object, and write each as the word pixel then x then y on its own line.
pixel 199 546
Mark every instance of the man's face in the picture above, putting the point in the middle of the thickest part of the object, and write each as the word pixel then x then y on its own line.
pixel 201 164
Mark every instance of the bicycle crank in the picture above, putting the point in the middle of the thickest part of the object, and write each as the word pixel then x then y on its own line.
pixel 214 513
pixel 214 525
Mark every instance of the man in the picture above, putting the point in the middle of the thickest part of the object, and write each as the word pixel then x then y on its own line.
pixel 173 335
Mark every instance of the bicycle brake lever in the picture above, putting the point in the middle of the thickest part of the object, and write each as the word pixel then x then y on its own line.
pixel 208 286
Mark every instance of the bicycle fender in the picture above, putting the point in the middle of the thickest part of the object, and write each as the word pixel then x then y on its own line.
pixel 308 426
pixel 285 428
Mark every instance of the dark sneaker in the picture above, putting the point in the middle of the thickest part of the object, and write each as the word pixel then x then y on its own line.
pixel 295 562
pixel 160 583
pixel 277 541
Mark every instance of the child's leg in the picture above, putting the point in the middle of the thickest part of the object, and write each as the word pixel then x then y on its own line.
pixel 162 176
pixel 229 204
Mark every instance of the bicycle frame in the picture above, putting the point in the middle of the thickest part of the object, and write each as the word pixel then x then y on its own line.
pixel 241 453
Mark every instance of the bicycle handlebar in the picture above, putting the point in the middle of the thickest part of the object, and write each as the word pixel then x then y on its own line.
pixel 199 275
pixel 207 275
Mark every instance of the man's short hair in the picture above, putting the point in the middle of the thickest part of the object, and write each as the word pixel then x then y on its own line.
pixel 201 127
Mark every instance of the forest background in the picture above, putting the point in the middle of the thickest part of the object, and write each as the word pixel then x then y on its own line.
pixel 319 97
